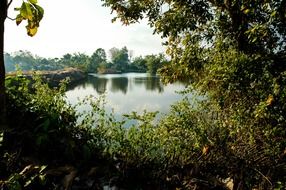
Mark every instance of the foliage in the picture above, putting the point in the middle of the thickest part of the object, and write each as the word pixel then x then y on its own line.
pixel 192 146
pixel 30 177
pixel 97 58
pixel 155 62
pixel 119 58
pixel 244 22
pixel 138 63
pixel 45 122
pixel 96 63
pixel 27 62
pixel 232 52
pixel 33 13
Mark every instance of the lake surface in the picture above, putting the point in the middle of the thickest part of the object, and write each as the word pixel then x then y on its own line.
pixel 128 92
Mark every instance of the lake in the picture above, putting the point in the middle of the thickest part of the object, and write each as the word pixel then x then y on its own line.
pixel 127 92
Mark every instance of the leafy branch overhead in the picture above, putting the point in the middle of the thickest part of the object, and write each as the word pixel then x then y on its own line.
pixel 31 12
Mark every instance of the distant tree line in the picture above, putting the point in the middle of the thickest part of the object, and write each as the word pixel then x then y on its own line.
pixel 121 60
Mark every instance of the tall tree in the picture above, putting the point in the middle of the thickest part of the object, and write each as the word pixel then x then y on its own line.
pixel 29 11
pixel 25 60
pixel 138 64
pixel 96 59
pixel 119 58
pixel 155 62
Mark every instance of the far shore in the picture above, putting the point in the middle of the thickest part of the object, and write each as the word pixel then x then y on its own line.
pixel 53 77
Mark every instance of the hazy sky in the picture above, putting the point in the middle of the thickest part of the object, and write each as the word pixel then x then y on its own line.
pixel 71 26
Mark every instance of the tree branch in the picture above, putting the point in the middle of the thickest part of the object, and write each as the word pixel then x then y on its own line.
pixel 11 18
pixel 10 2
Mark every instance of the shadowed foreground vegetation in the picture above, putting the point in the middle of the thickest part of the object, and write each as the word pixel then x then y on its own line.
pixel 47 148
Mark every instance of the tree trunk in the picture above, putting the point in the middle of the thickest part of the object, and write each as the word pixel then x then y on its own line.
pixel 3 15
pixel 239 26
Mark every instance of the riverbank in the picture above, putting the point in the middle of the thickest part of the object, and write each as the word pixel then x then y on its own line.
pixel 53 78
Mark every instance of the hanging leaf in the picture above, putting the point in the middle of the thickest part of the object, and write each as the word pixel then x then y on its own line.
pixel 19 19
pixel 33 1
pixel 40 12
pixel 26 11
pixel 31 12
pixel 31 31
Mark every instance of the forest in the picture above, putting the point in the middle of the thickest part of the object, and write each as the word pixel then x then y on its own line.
pixel 120 61
pixel 233 54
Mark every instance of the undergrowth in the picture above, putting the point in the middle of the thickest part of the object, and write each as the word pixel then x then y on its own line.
pixel 46 146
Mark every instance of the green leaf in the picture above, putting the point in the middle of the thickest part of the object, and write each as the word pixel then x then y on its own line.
pixel 26 11
pixel 274 13
pixel 40 12
pixel 32 31
pixel 32 27
pixel 19 19
pixel 246 11
pixel 33 1
pixel 43 168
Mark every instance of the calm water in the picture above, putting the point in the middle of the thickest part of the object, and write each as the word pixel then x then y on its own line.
pixel 128 92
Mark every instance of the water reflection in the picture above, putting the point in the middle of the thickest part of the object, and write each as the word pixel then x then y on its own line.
pixel 127 92
pixel 99 84
pixel 151 83
pixel 120 83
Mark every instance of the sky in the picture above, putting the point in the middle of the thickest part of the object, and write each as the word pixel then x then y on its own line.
pixel 71 26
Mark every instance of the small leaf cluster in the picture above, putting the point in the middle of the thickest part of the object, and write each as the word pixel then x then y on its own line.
pixel 33 13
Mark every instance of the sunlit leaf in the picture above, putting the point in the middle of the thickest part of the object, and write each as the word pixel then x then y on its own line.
pixel 246 11
pixel 19 19
pixel 205 150
pixel 270 100
pixel 32 31
pixel 26 11
pixel 33 1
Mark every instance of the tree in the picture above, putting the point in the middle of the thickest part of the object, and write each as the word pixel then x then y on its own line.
pixel 138 64
pixel 249 26
pixel 29 11
pixel 9 62
pixel 97 58
pixel 119 58
pixel 232 52
pixel 26 60
pixel 80 61
pixel 76 60
pixel 155 62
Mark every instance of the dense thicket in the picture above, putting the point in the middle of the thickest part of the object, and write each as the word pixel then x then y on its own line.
pixel 234 53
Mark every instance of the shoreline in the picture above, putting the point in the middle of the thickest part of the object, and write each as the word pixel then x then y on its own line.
pixel 53 78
